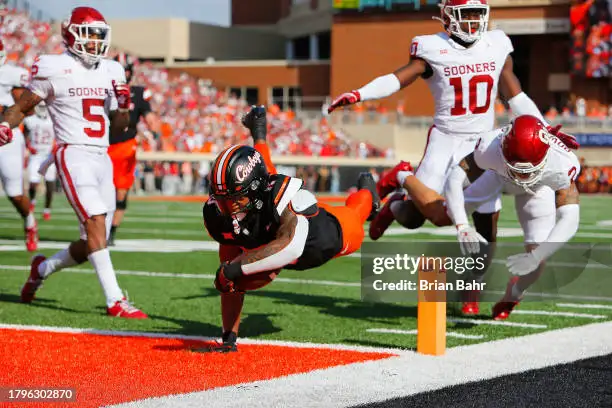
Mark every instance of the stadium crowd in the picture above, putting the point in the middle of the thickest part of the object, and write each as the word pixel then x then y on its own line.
pixel 197 117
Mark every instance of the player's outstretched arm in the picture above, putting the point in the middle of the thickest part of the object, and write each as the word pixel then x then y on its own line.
pixel 16 113
pixel 13 115
pixel 287 246
pixel 568 218
pixel 383 86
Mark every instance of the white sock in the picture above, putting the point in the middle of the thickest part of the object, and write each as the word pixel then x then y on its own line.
pixel 60 260
pixel 103 265
pixel 401 177
pixel 30 221
pixel 33 202
pixel 47 211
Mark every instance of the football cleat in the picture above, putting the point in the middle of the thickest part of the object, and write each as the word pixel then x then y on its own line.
pixel 470 308
pixel 388 182
pixel 366 181
pixel 470 305
pixel 32 238
pixel 503 308
pixel 46 216
pixel 123 308
pixel 34 281
pixel 385 217
pixel 228 347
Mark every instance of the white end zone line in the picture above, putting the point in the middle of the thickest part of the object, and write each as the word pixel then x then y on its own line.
pixel 561 314
pixel 414 332
pixel 495 323
pixel 584 306
pixel 241 340
pixel 406 375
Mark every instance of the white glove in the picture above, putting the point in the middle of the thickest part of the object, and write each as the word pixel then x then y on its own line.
pixel 523 264
pixel 469 239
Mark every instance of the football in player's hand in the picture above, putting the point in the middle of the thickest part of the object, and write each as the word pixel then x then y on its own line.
pixel 16 93
pixel 254 281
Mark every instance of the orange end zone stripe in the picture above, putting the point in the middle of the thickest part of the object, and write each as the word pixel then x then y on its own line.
pixel 109 370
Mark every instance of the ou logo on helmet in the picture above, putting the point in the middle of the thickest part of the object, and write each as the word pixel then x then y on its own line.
pixel 544 136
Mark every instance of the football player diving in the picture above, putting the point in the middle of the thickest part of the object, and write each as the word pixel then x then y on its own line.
pixel 265 222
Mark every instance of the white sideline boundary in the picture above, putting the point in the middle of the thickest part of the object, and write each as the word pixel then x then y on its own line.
pixel 414 332
pixel 584 306
pixel 401 376
pixel 241 340
pixel 495 322
pixel 560 314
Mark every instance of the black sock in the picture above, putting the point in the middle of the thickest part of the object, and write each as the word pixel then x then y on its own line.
pixel 112 231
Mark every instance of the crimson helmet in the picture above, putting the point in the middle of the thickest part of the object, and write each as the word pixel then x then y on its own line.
pixel 85 22
pixel 525 145
pixel 2 53
pixel 453 13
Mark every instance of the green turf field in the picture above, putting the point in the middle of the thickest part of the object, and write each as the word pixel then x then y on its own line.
pixel 166 262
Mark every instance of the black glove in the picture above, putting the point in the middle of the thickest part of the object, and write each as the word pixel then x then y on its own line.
pixel 256 122
pixel 226 274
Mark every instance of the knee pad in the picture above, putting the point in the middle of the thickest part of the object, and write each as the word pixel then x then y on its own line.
pixel 121 205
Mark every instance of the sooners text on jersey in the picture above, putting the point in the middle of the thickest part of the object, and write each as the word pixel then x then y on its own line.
pixel 79 99
pixel 464 81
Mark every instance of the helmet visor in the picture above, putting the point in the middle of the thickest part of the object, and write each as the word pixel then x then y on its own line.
pixel 233 205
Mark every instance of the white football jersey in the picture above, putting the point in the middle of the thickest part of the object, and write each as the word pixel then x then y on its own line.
pixel 40 133
pixel 464 80
pixel 79 99
pixel 562 166
pixel 11 76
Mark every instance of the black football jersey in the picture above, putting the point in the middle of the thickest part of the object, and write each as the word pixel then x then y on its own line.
pixel 324 240
pixel 139 107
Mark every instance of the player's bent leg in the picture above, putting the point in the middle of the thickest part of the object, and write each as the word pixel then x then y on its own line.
pixel 121 206
pixel 428 201
pixel 41 267
pixel 49 187
pixel 22 205
pixel 32 192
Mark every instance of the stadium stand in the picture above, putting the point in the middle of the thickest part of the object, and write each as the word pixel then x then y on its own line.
pixel 197 117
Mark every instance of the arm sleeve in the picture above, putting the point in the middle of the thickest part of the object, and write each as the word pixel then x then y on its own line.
pixel 568 219
pixel 461 202
pixel 522 104
pixel 455 202
pixel 292 251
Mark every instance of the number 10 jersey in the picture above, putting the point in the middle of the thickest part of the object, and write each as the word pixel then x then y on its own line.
pixel 463 81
